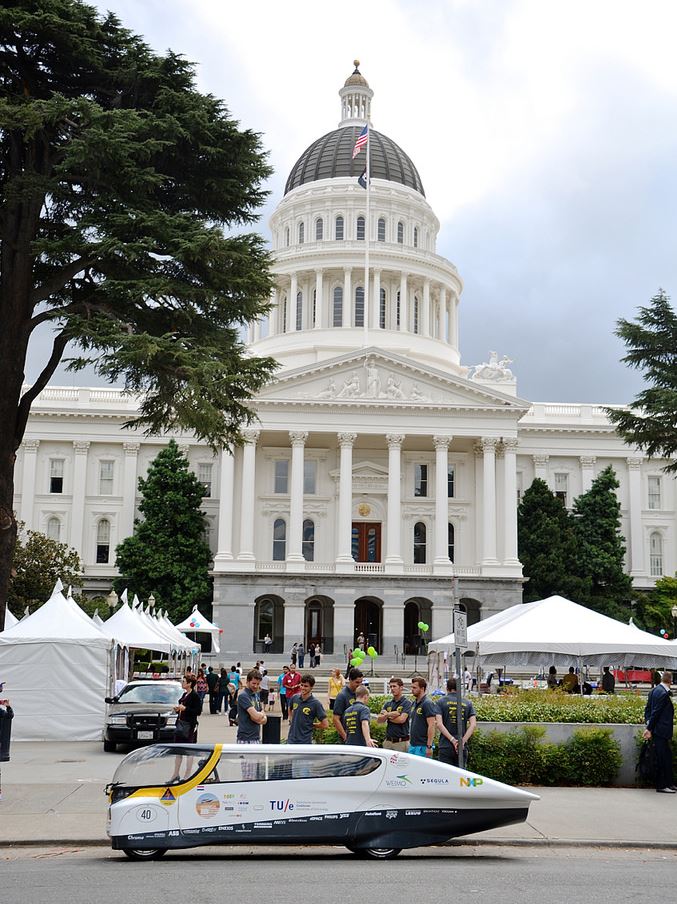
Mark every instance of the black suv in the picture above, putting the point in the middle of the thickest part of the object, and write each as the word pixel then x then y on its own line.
pixel 142 713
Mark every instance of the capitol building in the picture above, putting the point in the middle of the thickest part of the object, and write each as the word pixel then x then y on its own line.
pixel 382 480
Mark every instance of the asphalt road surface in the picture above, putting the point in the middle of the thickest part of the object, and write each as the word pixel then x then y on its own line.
pixel 334 876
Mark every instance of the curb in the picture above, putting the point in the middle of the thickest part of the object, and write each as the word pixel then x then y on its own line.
pixel 455 842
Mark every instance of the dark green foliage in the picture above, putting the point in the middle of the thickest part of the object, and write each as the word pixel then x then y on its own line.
pixel 38 563
pixel 594 756
pixel 123 191
pixel 600 547
pixel 653 609
pixel 167 554
pixel 651 340
pixel 547 546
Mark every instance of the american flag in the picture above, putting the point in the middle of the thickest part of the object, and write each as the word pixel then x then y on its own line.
pixel 362 139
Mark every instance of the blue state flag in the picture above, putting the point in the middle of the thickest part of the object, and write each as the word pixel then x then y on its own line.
pixel 363 179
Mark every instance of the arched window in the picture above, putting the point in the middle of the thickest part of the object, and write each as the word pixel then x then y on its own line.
pixel 415 236
pixel 419 543
pixel 308 545
pixel 302 233
pixel 400 233
pixel 656 555
pixel 359 306
pixel 416 313
pixel 360 229
pixel 279 540
pixel 381 230
pixel 299 310
pixel 397 311
pixel 287 236
pixel 382 310
pixel 283 314
pixel 339 229
pixel 54 529
pixel 450 541
pixel 265 619
pixel 338 306
pixel 319 229
pixel 103 542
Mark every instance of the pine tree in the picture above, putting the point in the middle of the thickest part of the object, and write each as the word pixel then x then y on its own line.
pixel 547 546
pixel 651 423
pixel 167 554
pixel 124 193
pixel 600 547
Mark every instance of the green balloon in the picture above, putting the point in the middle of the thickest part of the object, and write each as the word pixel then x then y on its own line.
pixel 372 652
pixel 424 627
pixel 421 625
pixel 355 661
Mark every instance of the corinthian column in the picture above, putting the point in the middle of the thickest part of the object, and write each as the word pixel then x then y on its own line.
pixel 225 538
pixel 294 545
pixel 30 457
pixel 129 479
pixel 441 444
pixel 637 564
pixel 344 539
pixel 510 501
pixel 248 503
pixel 394 522
pixel 80 449
pixel 489 501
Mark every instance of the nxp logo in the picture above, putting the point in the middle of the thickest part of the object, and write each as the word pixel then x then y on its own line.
pixel 471 782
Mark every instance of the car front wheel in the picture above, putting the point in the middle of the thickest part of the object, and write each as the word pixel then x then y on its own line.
pixel 145 853
pixel 376 853
pixel 109 746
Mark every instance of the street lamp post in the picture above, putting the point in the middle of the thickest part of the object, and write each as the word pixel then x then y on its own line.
pixel 151 603
pixel 112 600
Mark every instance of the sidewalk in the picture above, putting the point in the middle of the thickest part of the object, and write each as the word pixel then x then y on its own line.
pixel 53 795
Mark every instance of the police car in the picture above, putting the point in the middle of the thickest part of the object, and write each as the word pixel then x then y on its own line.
pixel 375 802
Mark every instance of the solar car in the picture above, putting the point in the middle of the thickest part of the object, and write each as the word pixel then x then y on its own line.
pixel 374 802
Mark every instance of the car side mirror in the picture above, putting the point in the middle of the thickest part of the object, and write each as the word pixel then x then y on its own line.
pixel 110 699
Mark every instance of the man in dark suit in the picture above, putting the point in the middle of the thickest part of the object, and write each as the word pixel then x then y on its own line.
pixel 659 716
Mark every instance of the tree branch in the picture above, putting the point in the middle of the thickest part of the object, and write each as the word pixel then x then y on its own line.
pixel 27 399
pixel 58 281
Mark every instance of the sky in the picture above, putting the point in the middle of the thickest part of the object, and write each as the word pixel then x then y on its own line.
pixel 544 132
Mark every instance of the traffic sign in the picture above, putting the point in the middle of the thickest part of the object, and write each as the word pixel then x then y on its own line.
pixel 460 628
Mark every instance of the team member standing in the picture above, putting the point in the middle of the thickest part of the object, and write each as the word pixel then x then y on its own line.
pixel 345 698
pixel 336 682
pixel 446 722
pixel 291 682
pixel 356 720
pixel 423 720
pixel 250 715
pixel 659 715
pixel 305 713
pixel 283 692
pixel 395 714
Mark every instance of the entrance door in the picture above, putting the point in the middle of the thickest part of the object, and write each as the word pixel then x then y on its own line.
pixel 313 624
pixel 366 544
pixel 368 622
pixel 412 633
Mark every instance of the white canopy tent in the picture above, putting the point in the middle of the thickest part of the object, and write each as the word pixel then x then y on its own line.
pixel 557 631
pixel 199 623
pixel 129 629
pixel 56 664
pixel 10 620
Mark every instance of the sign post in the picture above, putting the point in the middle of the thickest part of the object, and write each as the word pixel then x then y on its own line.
pixel 460 641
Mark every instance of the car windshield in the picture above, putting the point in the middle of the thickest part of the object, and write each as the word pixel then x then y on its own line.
pixel 151 693
pixel 161 764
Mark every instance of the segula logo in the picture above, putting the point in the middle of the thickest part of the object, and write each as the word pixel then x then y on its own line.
pixel 434 781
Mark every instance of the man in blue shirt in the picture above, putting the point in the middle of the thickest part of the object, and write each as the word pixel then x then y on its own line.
pixel 250 715
pixel 356 720
pixel 395 714
pixel 423 720
pixel 659 715
pixel 345 698
pixel 305 713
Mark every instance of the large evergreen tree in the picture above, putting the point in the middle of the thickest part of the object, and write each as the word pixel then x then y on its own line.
pixel 651 340
pixel 117 179
pixel 600 548
pixel 167 555
pixel 547 546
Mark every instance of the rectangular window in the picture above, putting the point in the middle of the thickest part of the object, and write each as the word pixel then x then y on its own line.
pixel 106 472
pixel 204 475
pixel 282 476
pixel 562 488
pixel 381 234
pixel 309 476
pixel 451 481
pixel 56 475
pixel 654 493
pixel 420 480
pixel 656 555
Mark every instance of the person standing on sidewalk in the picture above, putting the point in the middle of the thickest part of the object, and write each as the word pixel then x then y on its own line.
pixel 250 715
pixel 336 682
pixel 346 698
pixel 305 713
pixel 395 714
pixel 423 720
pixel 356 720
pixel 213 689
pixel 282 690
pixel 659 715
pixel 446 722
pixel 291 683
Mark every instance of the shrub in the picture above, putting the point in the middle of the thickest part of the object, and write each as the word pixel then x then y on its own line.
pixel 594 756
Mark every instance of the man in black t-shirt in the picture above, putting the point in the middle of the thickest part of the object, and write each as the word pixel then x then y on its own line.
pixel 305 713
pixel 250 715
pixel 356 720
pixel 213 688
pixel 395 714
pixel 423 720
pixel 446 722
pixel 345 698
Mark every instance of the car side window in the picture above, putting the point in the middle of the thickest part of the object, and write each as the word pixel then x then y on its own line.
pixel 260 767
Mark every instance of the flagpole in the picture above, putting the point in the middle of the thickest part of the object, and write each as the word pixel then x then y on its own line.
pixel 367 235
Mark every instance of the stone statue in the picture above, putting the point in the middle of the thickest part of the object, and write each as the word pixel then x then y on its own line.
pixel 373 381
pixel 329 392
pixel 494 370
pixel 417 395
pixel 393 388
pixel 351 388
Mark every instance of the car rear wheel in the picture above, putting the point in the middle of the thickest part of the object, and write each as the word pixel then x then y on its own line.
pixel 145 853
pixel 109 746
pixel 376 853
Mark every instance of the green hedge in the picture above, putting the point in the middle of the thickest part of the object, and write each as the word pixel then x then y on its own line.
pixel 550 706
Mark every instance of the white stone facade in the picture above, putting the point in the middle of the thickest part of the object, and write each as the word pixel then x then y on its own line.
pixel 381 468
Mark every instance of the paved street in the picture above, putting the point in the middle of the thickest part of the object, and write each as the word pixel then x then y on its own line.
pixel 333 876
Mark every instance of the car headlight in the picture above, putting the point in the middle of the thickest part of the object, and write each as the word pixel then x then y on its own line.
pixel 117 720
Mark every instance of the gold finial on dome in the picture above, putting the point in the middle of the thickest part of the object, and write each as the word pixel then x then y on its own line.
pixel 356 63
